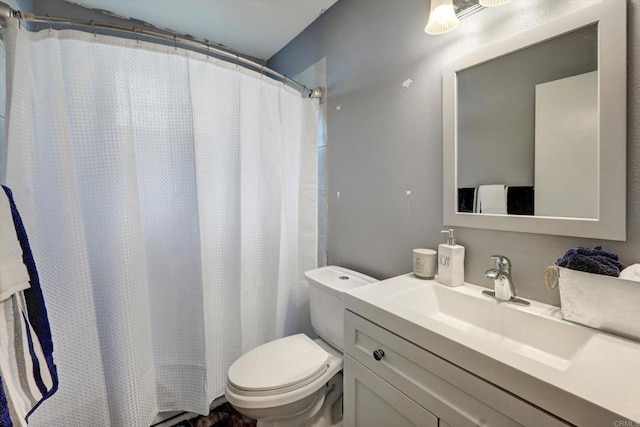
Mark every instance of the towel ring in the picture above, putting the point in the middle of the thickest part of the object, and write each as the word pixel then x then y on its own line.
pixel 552 276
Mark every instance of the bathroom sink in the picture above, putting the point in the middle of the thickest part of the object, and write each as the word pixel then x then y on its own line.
pixel 530 351
pixel 525 331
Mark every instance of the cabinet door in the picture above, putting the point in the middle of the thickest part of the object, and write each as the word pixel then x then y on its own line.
pixel 369 401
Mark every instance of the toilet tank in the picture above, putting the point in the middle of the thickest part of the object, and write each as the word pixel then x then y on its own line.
pixel 326 288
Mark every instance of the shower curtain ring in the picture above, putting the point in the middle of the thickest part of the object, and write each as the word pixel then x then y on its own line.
pixel 261 71
pixel 94 28
pixel 135 31
pixel 49 22
pixel 175 41
pixel 237 60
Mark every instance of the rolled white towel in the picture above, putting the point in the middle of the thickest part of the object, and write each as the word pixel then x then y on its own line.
pixel 631 273
pixel 14 276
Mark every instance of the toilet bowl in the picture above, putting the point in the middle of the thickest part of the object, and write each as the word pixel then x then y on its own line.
pixel 296 381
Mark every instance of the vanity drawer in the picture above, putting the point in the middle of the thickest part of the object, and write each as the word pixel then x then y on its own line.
pixel 435 383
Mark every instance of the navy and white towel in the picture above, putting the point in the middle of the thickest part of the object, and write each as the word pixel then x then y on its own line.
pixel 27 371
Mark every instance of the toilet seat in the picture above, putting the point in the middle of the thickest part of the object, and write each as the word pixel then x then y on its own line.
pixel 250 400
pixel 278 367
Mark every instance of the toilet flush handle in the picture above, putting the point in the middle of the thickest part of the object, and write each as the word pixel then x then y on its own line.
pixel 378 354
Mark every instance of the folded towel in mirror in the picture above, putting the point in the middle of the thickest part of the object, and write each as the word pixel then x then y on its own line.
pixel 492 199
pixel 520 200
pixel 466 199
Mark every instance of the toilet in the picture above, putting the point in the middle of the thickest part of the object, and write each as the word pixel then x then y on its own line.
pixel 296 381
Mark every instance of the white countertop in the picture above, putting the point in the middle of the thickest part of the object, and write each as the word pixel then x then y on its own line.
pixel 599 380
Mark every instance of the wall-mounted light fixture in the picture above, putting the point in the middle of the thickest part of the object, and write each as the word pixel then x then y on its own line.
pixel 444 14
pixel 442 17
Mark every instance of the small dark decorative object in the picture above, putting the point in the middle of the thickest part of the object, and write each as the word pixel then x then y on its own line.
pixel 221 416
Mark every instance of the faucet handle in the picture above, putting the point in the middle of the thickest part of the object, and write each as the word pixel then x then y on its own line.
pixel 502 262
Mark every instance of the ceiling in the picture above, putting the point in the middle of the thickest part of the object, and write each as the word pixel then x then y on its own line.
pixel 258 28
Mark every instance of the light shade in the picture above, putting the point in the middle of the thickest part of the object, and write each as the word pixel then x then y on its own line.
pixel 492 3
pixel 442 17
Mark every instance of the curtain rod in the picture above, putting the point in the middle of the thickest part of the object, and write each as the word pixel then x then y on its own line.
pixel 7 12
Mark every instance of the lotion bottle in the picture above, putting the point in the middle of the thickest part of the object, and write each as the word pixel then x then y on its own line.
pixel 450 261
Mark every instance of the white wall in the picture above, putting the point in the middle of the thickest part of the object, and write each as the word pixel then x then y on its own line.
pixel 313 77
pixel 566 158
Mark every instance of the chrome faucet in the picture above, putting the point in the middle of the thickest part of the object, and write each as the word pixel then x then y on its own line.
pixel 504 291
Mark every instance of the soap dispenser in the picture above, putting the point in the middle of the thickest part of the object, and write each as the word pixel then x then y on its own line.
pixel 450 261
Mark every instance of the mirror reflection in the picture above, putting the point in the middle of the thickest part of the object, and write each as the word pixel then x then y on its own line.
pixel 527 130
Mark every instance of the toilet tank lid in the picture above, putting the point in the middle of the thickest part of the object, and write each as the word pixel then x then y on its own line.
pixel 337 280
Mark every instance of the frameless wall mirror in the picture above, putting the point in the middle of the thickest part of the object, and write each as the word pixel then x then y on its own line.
pixel 535 129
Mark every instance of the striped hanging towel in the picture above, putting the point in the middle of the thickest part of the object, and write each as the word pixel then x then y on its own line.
pixel 27 371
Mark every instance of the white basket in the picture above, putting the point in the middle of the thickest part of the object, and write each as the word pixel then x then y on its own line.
pixel 602 302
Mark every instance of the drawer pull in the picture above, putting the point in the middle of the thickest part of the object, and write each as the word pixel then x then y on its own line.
pixel 378 354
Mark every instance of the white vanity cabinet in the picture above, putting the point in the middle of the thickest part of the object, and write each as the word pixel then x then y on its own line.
pixel 411 386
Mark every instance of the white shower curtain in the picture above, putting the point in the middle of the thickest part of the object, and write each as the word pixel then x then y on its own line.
pixel 170 202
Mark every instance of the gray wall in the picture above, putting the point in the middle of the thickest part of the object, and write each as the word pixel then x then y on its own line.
pixel 497 107
pixel 385 140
